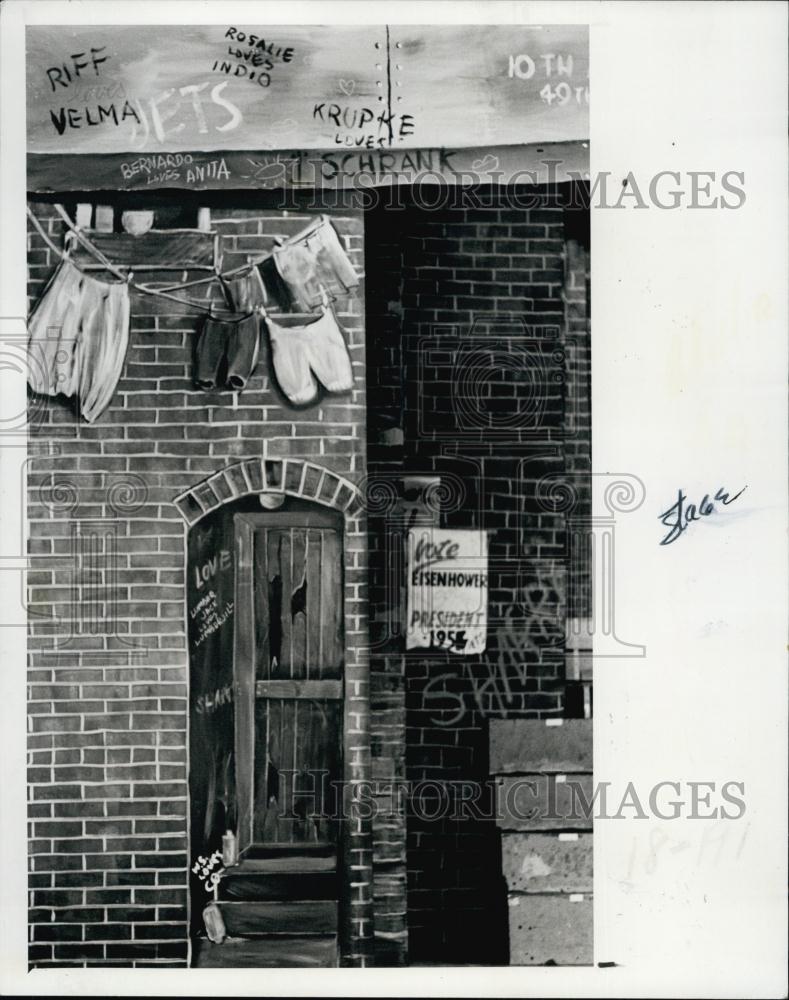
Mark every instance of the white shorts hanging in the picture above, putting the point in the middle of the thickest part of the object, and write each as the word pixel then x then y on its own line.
pixel 300 353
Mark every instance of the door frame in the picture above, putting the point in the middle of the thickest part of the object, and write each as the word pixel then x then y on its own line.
pixel 244 652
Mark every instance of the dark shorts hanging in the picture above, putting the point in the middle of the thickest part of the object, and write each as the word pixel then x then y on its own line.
pixel 237 339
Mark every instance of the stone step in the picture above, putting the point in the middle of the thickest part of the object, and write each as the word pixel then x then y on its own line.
pixel 278 952
pixel 299 917
pixel 267 874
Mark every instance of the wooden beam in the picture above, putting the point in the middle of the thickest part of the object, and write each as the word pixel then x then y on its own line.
pixel 264 170
pixel 244 672
pixel 314 690
pixel 340 87
pixel 158 249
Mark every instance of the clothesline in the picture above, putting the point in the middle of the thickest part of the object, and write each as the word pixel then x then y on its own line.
pixel 97 254
pixel 255 261
pixel 91 322
pixel 162 292
pixel 112 268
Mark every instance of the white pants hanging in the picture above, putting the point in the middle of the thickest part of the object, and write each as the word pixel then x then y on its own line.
pixel 78 334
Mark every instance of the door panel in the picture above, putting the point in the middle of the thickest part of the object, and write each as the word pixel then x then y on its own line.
pixel 296 759
pixel 289 668
pixel 298 603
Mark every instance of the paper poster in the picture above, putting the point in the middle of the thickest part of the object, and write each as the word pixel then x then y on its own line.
pixel 447 590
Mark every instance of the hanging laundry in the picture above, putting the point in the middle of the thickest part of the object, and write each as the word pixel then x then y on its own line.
pixel 233 337
pixel 299 353
pixel 246 290
pixel 78 334
pixel 314 259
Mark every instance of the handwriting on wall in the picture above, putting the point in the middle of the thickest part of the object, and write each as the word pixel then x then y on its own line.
pixel 364 127
pixel 531 634
pixel 208 703
pixel 210 615
pixel 551 66
pixel 169 88
pixel 358 168
pixel 148 117
pixel 209 568
pixel 210 580
pixel 251 58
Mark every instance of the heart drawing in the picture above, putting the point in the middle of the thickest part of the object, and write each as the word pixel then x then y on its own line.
pixel 489 162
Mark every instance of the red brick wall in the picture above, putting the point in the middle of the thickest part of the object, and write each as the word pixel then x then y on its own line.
pixel 109 707
pixel 467 349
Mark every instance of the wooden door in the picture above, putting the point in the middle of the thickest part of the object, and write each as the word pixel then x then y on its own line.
pixel 288 664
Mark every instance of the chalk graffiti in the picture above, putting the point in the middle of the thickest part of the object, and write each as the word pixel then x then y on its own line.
pixel 274 169
pixel 212 565
pixel 210 618
pixel 207 704
pixel 183 167
pixel 205 868
pixel 563 93
pixel 148 119
pixel 524 67
pixel 549 65
pixel 531 633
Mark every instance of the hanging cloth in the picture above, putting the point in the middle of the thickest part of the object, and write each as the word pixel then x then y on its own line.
pixel 234 338
pixel 246 290
pixel 311 260
pixel 78 335
pixel 300 353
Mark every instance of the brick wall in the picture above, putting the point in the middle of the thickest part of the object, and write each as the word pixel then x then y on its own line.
pixel 578 429
pixel 108 665
pixel 468 324
pixel 385 453
pixel 474 376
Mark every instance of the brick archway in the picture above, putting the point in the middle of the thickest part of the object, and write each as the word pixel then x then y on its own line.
pixel 287 476
pixel 305 480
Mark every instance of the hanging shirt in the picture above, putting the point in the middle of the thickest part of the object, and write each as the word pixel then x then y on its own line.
pixel 312 260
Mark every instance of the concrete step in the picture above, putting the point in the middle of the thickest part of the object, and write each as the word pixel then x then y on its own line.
pixel 267 874
pixel 279 952
pixel 257 919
